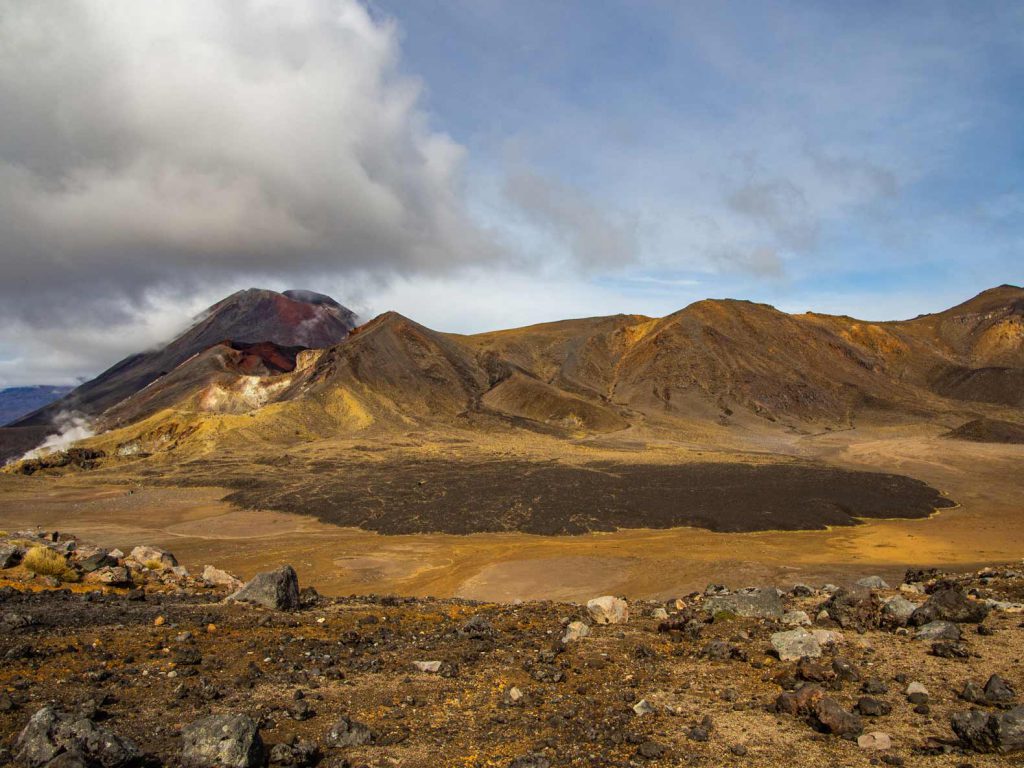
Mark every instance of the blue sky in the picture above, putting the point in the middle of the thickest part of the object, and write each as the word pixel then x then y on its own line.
pixel 860 157
pixel 478 164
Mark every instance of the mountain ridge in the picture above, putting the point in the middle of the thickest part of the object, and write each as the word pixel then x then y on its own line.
pixel 715 361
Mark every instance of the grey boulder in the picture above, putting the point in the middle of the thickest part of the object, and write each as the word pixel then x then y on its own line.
pixel 751 603
pixel 50 734
pixel 950 604
pixel 349 733
pixel 222 741
pixel 278 590
pixel 938 630
pixel 986 732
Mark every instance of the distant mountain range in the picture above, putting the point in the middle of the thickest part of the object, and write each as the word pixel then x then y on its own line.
pixel 718 362
pixel 16 402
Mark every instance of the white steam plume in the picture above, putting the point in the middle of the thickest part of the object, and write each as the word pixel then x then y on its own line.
pixel 73 427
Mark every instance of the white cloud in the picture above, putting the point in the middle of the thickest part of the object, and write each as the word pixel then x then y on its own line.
pixel 153 144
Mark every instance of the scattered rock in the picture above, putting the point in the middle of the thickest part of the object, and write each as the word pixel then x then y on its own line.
pixel 10 556
pixel 530 761
pixel 297 753
pixel 796 619
pixel 947 649
pixel 608 610
pixel 349 733
pixel 751 604
pixel 222 741
pixel 997 692
pixel 96 560
pixel 872 707
pixel 113 576
pixel 872 582
pixel 643 707
pixel 832 718
pixel 575 630
pixel 218 578
pixel 876 740
pixel 916 693
pixel 950 604
pixel 896 611
pixel 278 590
pixel 795 644
pixel 478 628
pixel 856 609
pixel 938 630
pixel 153 556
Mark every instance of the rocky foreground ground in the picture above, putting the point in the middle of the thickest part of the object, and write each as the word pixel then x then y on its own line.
pixel 115 660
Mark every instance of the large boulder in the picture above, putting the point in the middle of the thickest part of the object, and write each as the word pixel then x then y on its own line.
pixel 576 630
pixel 986 732
pixel 222 741
pixel 749 603
pixel 50 733
pixel 278 590
pixel 950 604
pixel 608 610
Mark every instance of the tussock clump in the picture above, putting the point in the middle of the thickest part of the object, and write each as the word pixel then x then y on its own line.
pixel 43 561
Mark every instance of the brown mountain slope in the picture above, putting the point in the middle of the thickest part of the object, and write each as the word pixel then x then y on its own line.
pixel 715 361
pixel 985 331
pixel 292 318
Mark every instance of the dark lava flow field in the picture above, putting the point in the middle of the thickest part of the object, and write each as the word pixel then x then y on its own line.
pixel 551 498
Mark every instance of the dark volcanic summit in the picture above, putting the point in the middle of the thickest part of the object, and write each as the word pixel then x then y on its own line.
pixel 253 316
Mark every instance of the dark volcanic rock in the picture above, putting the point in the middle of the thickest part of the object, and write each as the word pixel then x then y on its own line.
pixel 996 692
pixel 10 556
pixel 950 604
pixel 872 707
pixel 278 590
pixel 856 609
pixel 222 741
pixel 831 717
pixel 295 754
pixel 50 733
pixel 349 733
pixel 985 732
pixel 97 561
pixel 720 496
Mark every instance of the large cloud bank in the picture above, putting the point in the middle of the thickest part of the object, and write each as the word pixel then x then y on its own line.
pixel 152 144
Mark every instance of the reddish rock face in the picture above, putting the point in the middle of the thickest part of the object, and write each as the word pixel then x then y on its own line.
pixel 270 328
